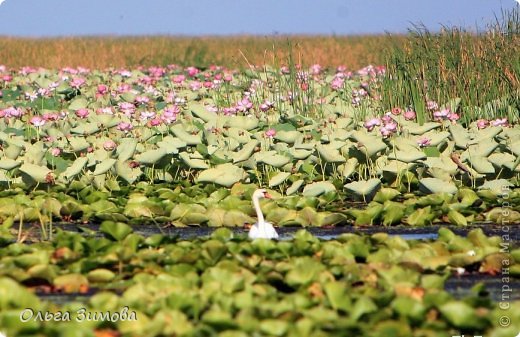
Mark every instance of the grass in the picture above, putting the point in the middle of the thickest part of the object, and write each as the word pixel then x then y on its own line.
pixel 103 52
pixel 483 70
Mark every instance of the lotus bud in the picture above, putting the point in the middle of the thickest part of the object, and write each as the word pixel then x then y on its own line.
pixel 396 111
pixel 270 133
pixel 109 145
pixel 82 113
pixel 409 115
pixel 55 152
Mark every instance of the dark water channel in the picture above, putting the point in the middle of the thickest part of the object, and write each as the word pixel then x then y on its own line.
pixel 459 286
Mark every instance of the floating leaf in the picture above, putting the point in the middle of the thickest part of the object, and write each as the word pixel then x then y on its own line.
pixel 224 174
pixel 434 185
pixel 150 157
pixel 318 188
pixel 104 166
pixel 363 187
pixel 38 173
pixel 279 178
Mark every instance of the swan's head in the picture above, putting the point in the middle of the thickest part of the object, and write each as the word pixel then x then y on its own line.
pixel 261 193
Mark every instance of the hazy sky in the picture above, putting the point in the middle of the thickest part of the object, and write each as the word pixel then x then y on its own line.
pixel 221 17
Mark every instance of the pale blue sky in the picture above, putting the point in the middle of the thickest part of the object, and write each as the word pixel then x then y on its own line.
pixel 221 17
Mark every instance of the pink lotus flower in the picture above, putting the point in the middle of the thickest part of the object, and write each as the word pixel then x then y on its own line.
pixel 109 145
pixel 105 111
pixel 142 100
pixel 37 121
pixel 432 105
pixel 385 132
pixel 82 113
pixel 316 69
pixel 101 89
pixel 499 122
pixel 387 118
pixel 195 85
pixel 337 83
pixel 442 114
pixel 51 117
pixel 192 71
pixel 55 152
pixel 77 82
pixel 391 126
pixel 270 133
pixel 31 96
pixel 482 123
pixel 396 111
pixel 228 78
pixel 155 122
pixel 178 78
pixel 409 115
pixel 146 115
pixel 371 123
pixel 13 112
pixel 125 126
pixel 341 69
pixel 125 87
pixel 6 78
pixel 423 141
pixel 244 104
pixel 126 108
pixel 453 117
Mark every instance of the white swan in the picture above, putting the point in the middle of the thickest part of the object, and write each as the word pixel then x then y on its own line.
pixel 261 229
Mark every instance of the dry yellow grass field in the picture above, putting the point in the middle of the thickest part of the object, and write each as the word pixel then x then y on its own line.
pixel 234 52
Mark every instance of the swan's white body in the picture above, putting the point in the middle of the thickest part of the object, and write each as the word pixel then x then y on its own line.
pixel 261 229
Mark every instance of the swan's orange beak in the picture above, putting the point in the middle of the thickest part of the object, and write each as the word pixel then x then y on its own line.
pixel 267 195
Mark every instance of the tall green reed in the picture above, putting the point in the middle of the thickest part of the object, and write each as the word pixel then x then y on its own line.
pixel 481 68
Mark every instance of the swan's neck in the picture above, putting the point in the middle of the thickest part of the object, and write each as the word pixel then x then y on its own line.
pixel 259 214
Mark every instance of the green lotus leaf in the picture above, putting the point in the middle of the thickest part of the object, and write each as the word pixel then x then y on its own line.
pixel 368 216
pixel 363 306
pixel 224 174
pixel 337 296
pixel 274 327
pixel 194 163
pixel 483 149
pixel 330 154
pixel 129 174
pixel 246 151
pixel 487 133
pixel 279 178
pixel 460 135
pixel 393 212
pixel 126 148
pixel 416 129
pixel 200 111
pixel 289 137
pixel 515 148
pixel 180 132
pixel 386 194
pixel 272 158
pixel 434 185
pixel 481 165
pixel 150 157
pixel 294 187
pixel 78 103
pixel 116 230
pixel 240 135
pixel 35 153
pixel 410 156
pixel 349 167
pixel 85 129
pixel 462 315
pixel 104 166
pixel 497 186
pixel 443 162
pixel 367 145
pixel 78 144
pixel 12 151
pixel 318 188
pixel 503 160
pixel 305 270
pixel 100 275
pixel 171 144
pixel 71 283
pixel 299 153
pixel 242 122
pixel 363 188
pixel 9 164
pixel 38 173
pixel 457 218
